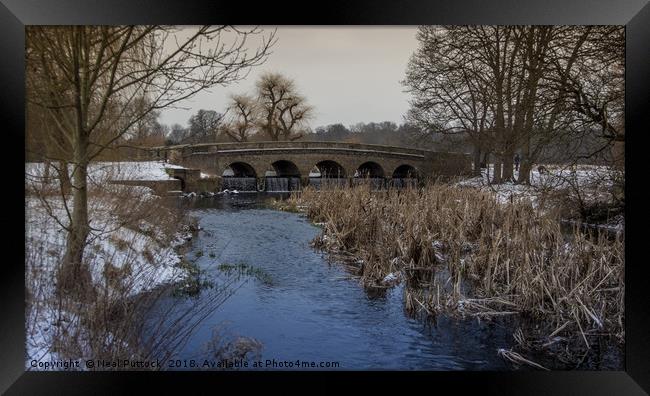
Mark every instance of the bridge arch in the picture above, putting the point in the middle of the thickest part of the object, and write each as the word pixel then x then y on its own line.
pixel 285 168
pixel 239 169
pixel 330 169
pixel 255 159
pixel 369 169
pixel 405 171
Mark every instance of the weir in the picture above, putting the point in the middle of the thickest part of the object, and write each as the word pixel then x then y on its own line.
pixel 239 183
pixel 282 184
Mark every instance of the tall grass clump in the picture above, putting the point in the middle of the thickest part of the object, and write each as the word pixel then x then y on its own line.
pixel 463 252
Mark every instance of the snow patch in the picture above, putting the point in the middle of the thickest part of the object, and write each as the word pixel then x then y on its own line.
pixel 99 171
pixel 142 258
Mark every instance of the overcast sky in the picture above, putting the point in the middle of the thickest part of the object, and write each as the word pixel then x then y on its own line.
pixel 349 74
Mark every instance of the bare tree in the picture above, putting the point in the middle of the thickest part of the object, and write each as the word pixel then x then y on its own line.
pixel 143 127
pixel 593 81
pixel 450 95
pixel 204 126
pixel 176 134
pixel 517 88
pixel 283 112
pixel 89 77
pixel 243 112
pixel 292 114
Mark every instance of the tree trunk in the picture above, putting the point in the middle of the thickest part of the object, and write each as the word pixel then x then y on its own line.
pixel 484 160
pixel 507 174
pixel 64 177
pixel 46 174
pixel 526 164
pixel 524 171
pixel 274 136
pixel 74 275
pixel 496 177
pixel 477 160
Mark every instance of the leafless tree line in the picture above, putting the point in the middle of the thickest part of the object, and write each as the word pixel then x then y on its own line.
pixel 520 89
pixel 274 111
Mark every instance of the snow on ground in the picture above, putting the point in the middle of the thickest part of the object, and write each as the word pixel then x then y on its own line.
pixel 143 260
pixel 594 181
pixel 145 170
pixel 98 171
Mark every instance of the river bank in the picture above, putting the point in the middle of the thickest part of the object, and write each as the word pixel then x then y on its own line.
pixel 442 265
pixel 133 251
pixel 293 303
pixel 464 252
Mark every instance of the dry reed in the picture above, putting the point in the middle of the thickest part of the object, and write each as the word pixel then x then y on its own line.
pixel 463 252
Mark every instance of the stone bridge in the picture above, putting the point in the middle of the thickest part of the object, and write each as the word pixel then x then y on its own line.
pixel 299 159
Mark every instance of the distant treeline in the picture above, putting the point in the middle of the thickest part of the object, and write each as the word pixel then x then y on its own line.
pixel 382 133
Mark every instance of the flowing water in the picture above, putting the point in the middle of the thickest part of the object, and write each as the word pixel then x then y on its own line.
pixel 303 308
pixel 282 184
pixel 239 183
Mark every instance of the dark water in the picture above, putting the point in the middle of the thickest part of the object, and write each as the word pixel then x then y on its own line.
pixel 306 308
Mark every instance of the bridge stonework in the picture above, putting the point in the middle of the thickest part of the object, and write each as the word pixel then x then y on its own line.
pixel 214 158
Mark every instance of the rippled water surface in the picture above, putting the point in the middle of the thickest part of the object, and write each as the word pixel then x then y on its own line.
pixel 304 307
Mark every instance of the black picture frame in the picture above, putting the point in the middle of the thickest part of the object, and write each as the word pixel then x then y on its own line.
pixel 634 14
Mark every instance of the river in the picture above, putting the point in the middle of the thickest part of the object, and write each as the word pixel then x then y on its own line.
pixel 302 307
